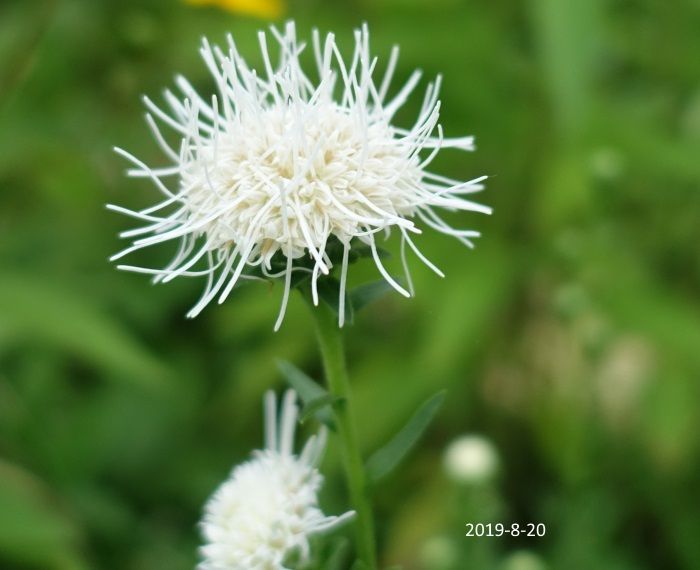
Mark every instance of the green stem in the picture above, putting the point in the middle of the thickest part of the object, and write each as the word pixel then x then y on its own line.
pixel 330 341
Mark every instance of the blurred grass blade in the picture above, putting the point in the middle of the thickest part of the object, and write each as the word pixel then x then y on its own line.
pixel 568 34
pixel 34 310
pixel 33 531
pixel 386 459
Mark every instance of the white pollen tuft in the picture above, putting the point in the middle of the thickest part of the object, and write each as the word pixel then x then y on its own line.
pixel 277 166
pixel 268 508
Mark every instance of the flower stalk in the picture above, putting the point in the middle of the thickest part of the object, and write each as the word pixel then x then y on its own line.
pixel 330 342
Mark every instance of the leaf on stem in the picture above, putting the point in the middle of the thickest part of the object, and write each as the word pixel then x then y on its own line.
pixel 386 459
pixel 319 405
pixel 310 392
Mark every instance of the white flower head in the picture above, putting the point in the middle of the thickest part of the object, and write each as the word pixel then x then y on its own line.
pixel 280 173
pixel 268 507
pixel 471 459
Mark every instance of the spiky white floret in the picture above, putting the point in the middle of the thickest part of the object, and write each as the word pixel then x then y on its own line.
pixel 268 508
pixel 277 163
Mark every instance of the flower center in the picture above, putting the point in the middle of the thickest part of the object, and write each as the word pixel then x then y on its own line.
pixel 290 176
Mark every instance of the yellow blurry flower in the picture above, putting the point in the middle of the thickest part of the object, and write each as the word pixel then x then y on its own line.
pixel 261 8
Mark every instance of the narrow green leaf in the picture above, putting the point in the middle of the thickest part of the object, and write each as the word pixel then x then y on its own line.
pixel 386 459
pixel 309 391
pixel 368 293
pixel 317 406
pixel 307 388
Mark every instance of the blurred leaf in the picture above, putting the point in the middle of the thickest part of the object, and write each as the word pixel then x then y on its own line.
pixel 336 560
pixel 363 295
pixel 318 406
pixel 642 303
pixel 17 61
pixel 33 531
pixel 588 520
pixel 309 391
pixel 568 34
pixel 307 388
pixel 386 459
pixel 450 334
pixel 39 310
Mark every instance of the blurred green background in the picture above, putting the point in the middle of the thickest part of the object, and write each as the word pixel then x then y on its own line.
pixel 569 339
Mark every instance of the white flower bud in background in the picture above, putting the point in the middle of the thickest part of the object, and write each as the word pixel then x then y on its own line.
pixel 622 377
pixel 268 508
pixel 523 560
pixel 438 553
pixel 471 459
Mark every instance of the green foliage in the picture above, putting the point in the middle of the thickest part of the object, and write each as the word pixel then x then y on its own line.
pixel 355 300
pixel 329 293
pixel 316 400
pixel 36 312
pixel 33 528
pixel 318 406
pixel 337 558
pixel 388 458
pixel 568 337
